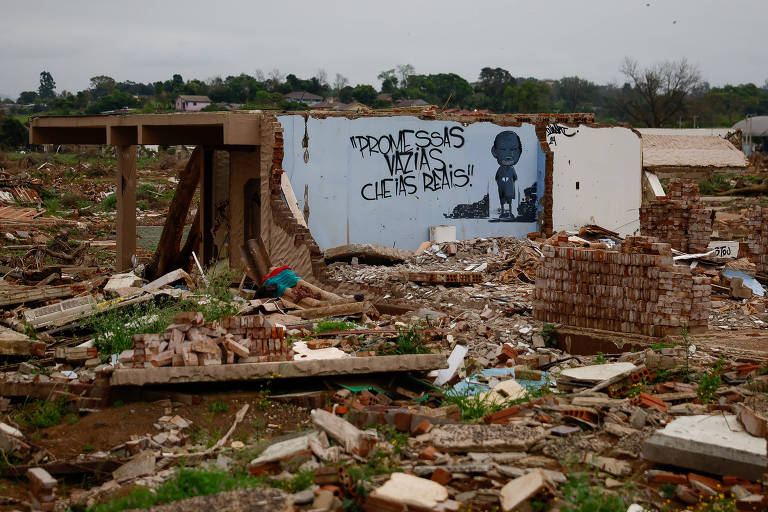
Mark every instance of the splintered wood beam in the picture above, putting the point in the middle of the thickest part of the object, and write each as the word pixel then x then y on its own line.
pixel 167 253
pixel 126 207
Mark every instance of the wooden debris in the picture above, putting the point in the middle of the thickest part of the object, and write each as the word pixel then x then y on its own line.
pixel 445 277
pixel 367 253
pixel 12 295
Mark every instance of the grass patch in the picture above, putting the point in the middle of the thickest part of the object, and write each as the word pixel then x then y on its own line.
pixel 410 342
pixel 474 407
pixel 326 325
pixel 217 406
pixel 187 483
pixel 114 329
pixel 549 333
pixel 109 203
pixel 479 405
pixel 580 496
pixel 714 184
pixel 42 414
pixel 52 206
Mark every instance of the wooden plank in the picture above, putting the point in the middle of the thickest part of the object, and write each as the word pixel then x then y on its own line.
pixel 126 207
pixel 165 258
pixel 279 369
pixel 102 466
pixel 350 308
pixel 367 253
pixel 445 277
pixel 42 390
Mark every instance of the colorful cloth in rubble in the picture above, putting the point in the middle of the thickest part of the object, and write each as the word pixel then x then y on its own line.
pixel 283 278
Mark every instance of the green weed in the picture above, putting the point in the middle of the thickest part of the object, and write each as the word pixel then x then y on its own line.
pixel 109 203
pixel 186 483
pixel 410 342
pixel 579 496
pixel 217 406
pixel 42 414
pixel 326 325
pixel 52 206
pixel 714 184
pixel 549 333
pixel 600 358
pixel 708 386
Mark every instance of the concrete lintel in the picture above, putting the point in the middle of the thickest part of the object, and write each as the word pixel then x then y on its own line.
pixel 280 369
pixel 714 444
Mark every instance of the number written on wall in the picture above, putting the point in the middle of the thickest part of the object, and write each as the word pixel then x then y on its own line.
pixel 726 250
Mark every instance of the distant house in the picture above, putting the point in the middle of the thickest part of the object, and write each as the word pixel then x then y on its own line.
pixel 305 97
pixel 384 96
pixel 190 103
pixel 411 103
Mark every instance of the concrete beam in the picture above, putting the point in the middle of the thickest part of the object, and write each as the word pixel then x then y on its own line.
pixel 714 444
pixel 126 207
pixel 280 369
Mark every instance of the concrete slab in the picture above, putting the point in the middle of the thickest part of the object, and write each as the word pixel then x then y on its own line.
pixel 708 443
pixel 279 369
pixel 411 490
pixel 485 438
pixel 598 372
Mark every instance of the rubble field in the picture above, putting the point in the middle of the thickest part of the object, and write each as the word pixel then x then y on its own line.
pixel 455 377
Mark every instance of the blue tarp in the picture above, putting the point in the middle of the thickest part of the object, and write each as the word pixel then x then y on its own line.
pixel 471 385
pixel 749 282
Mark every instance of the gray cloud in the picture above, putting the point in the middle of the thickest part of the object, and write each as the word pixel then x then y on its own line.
pixel 151 40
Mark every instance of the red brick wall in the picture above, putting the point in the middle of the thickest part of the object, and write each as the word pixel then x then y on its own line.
pixel 635 289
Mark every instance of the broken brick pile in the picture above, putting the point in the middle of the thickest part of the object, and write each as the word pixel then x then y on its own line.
pixel 636 289
pixel 758 238
pixel 191 342
pixel 679 218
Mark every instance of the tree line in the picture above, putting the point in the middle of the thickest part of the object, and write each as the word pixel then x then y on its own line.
pixel 664 94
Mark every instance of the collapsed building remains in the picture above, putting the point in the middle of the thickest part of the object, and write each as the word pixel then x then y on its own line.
pixel 635 289
pixel 758 238
pixel 679 218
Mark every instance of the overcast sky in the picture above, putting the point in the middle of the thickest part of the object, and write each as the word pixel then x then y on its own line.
pixel 146 41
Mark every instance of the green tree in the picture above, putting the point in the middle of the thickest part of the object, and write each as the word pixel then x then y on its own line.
pixel 27 97
pixel 572 93
pixel 492 83
pixel 365 94
pixel 529 96
pixel 345 94
pixel 47 88
pixel 13 134
pixel 388 80
pixel 101 86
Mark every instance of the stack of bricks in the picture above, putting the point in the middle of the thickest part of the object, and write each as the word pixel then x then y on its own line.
pixel 679 218
pixel 42 489
pixel 758 238
pixel 636 289
pixel 191 342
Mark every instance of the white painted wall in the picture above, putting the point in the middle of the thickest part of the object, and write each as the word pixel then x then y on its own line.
pixel 606 163
pixel 339 176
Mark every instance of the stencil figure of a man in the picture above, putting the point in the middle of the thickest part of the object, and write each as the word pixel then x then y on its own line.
pixel 507 150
